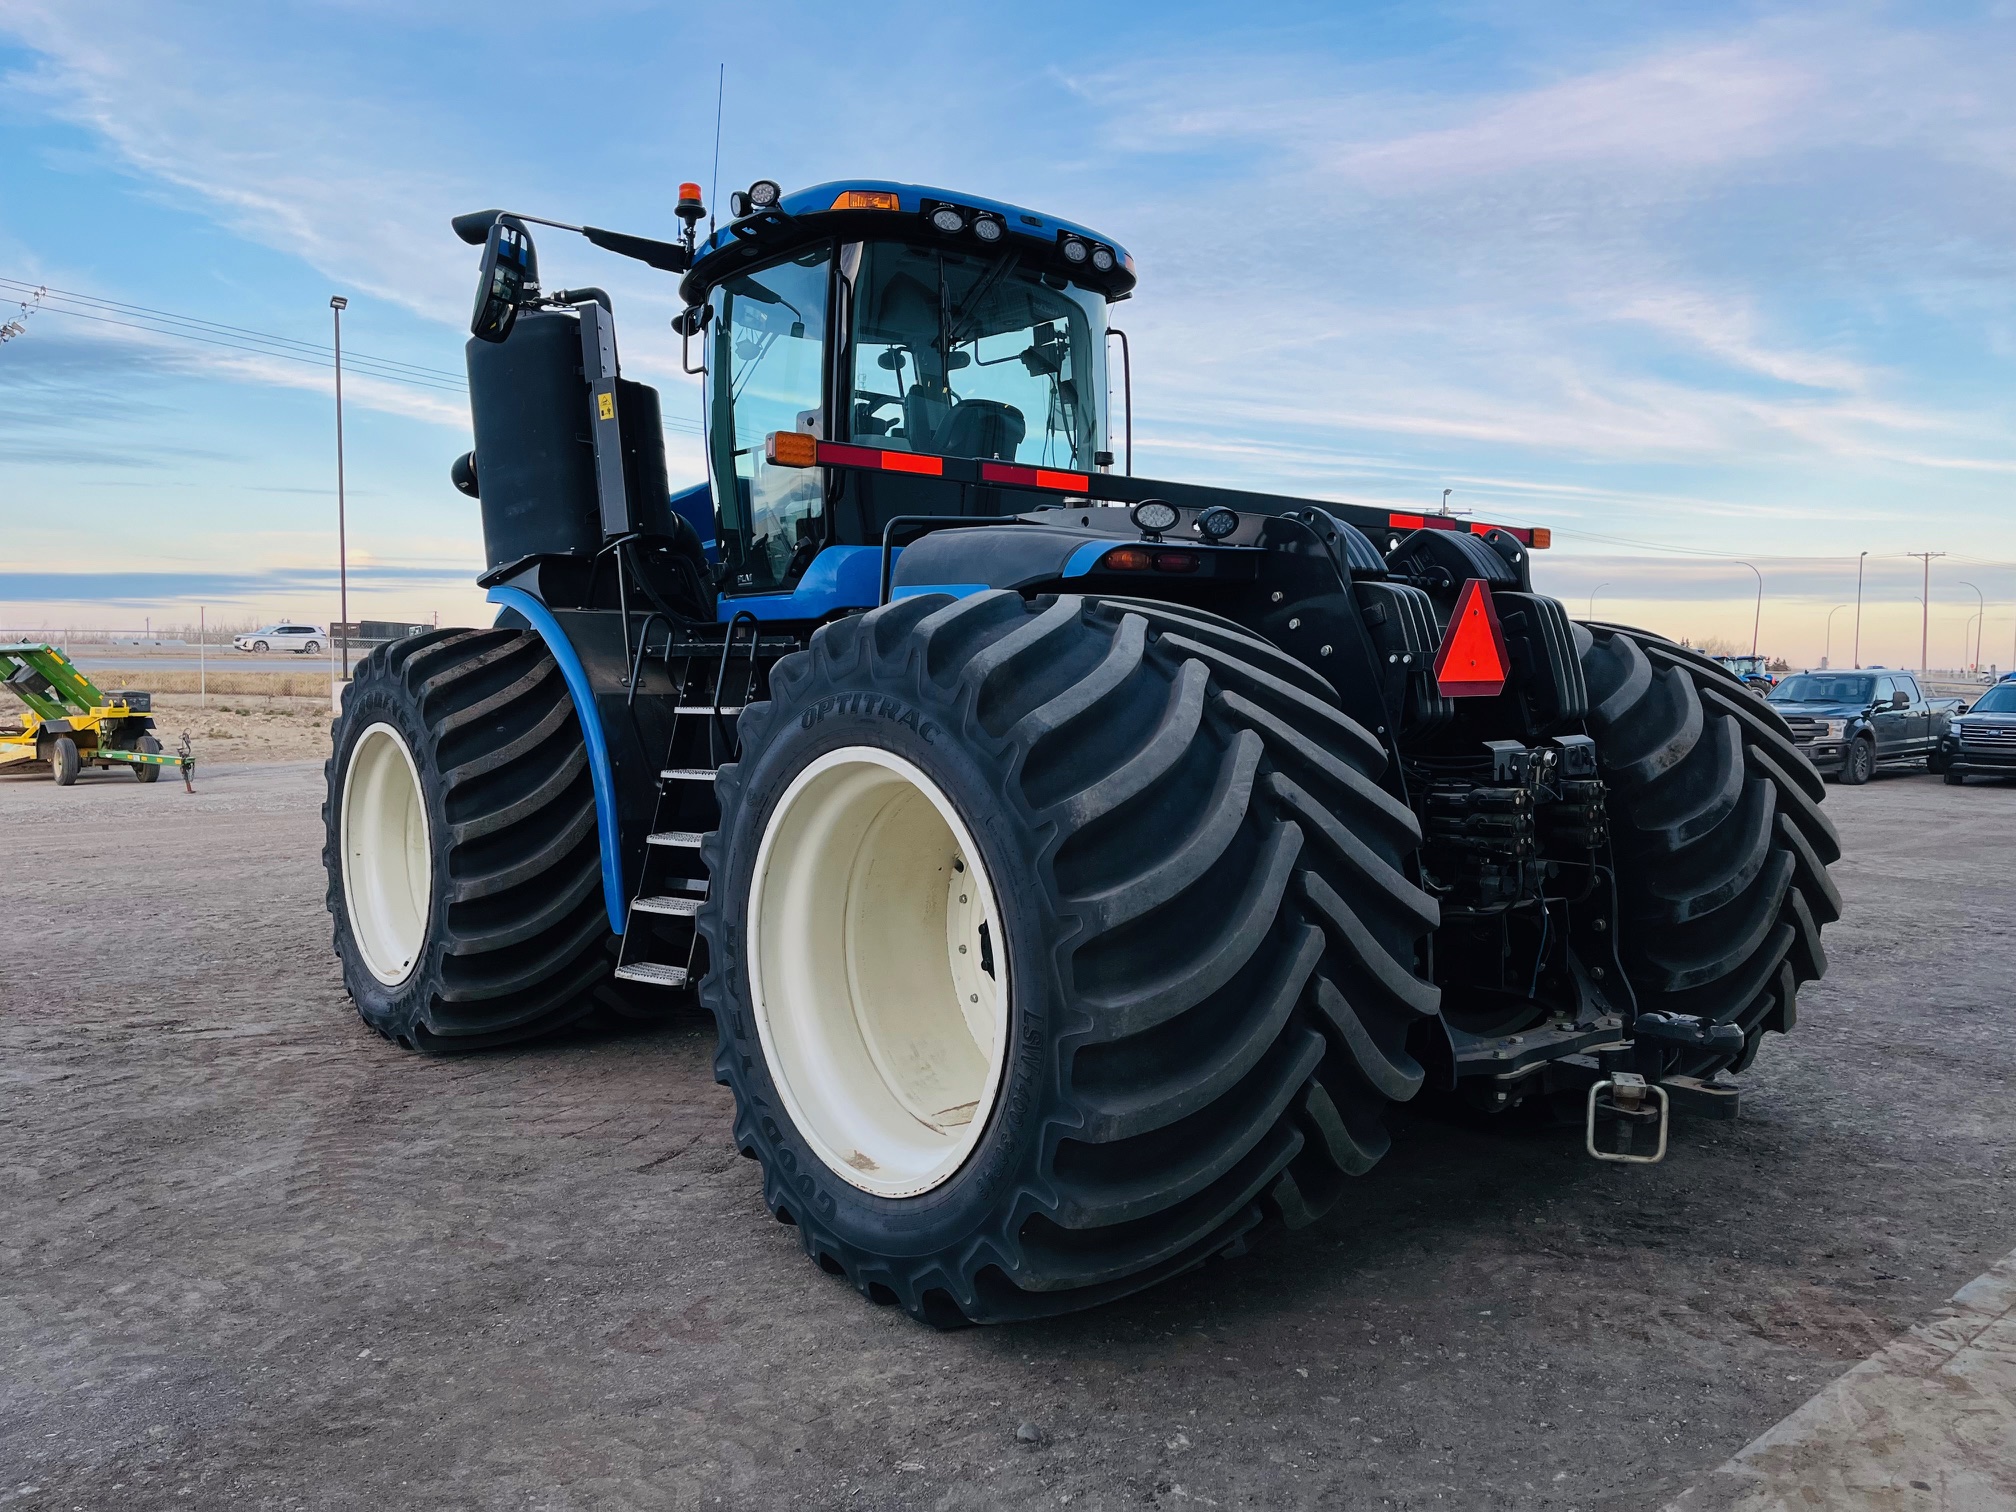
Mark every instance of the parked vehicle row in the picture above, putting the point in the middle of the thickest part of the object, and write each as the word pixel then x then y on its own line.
pixel 1851 725
pixel 1982 741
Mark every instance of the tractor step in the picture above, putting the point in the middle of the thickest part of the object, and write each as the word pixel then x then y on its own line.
pixel 677 908
pixel 707 709
pixel 653 974
pixel 678 839
pixel 687 774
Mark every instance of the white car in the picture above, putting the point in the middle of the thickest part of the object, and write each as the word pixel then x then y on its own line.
pixel 307 639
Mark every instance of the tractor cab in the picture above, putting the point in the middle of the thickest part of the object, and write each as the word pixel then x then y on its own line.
pixel 904 319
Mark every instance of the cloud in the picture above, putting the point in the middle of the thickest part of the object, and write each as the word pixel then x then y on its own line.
pixel 131 588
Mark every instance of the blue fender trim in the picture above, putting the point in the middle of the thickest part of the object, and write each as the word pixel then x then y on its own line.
pixel 1086 557
pixel 540 618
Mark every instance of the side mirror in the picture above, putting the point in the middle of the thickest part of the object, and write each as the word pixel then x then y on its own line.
pixel 510 271
pixel 1900 700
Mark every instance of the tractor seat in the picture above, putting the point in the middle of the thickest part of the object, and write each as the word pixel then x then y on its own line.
pixel 982 428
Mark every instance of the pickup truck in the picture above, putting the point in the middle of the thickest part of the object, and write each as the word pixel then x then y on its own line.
pixel 1852 724
pixel 1982 742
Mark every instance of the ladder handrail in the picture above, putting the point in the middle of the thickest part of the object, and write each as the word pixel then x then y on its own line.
pixel 721 676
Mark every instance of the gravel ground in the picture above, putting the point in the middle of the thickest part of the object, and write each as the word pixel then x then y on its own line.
pixel 254 1256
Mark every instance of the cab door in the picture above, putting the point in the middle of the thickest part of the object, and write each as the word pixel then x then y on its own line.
pixel 1891 725
pixel 1917 718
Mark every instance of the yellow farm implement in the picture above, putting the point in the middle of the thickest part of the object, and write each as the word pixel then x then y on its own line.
pixel 72 724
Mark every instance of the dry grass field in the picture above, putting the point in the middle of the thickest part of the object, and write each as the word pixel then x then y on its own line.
pixel 245 716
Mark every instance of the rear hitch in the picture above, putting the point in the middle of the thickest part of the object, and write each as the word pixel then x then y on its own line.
pixel 1626 1105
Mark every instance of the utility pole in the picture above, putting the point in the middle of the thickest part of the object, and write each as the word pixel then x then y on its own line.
pixel 1925 610
pixel 1860 562
pixel 337 305
pixel 1592 598
pixel 1827 654
pixel 1982 600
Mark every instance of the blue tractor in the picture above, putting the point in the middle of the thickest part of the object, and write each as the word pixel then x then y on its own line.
pixel 1076 865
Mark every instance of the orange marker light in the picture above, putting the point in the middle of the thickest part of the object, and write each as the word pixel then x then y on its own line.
pixel 866 199
pixel 791 449
pixel 1542 538
pixel 1127 559
pixel 1472 662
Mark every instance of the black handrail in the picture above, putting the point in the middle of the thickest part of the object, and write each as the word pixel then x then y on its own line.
pixel 721 677
pixel 934 522
pixel 644 640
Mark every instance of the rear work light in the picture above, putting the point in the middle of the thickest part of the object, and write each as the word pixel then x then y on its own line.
pixel 1141 559
pixel 865 199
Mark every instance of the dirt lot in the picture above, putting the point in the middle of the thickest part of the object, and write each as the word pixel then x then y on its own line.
pixel 254 1256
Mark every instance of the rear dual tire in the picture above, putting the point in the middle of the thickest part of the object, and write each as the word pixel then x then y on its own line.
pixel 464 875
pixel 1721 848
pixel 1203 935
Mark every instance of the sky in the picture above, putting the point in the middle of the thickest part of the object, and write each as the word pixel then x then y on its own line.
pixel 1693 285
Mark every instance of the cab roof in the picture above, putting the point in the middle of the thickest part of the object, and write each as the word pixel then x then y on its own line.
pixel 835 210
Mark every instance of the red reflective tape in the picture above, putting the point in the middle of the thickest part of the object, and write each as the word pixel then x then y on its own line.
pixel 1523 536
pixel 841 455
pixel 1034 477
pixel 1473 662
pixel 910 462
pixel 1406 522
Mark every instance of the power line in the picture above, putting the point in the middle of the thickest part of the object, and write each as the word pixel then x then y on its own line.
pixel 318 348
pixel 157 322
pixel 257 351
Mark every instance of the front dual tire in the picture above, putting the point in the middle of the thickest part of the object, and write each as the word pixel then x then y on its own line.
pixel 1196 934
pixel 464 876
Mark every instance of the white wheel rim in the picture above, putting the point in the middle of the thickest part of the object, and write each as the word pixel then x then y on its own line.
pixel 388 866
pixel 869 915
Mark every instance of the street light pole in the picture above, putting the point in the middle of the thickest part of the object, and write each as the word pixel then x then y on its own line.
pixel 1592 598
pixel 1827 653
pixel 1757 620
pixel 1860 562
pixel 1925 611
pixel 337 305
pixel 1982 600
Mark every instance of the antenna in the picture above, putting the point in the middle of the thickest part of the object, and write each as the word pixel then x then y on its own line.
pixel 714 189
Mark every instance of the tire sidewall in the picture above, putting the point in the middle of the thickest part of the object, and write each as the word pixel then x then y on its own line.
pixel 1861 765
pixel 909 718
pixel 393 1010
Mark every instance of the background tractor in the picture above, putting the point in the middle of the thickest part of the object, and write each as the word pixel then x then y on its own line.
pixel 1076 866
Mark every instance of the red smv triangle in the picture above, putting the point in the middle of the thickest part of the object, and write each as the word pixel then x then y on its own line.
pixel 1472 662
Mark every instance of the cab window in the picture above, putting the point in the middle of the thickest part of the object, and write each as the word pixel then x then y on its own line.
pixel 765 365
pixel 967 354
pixel 1884 688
